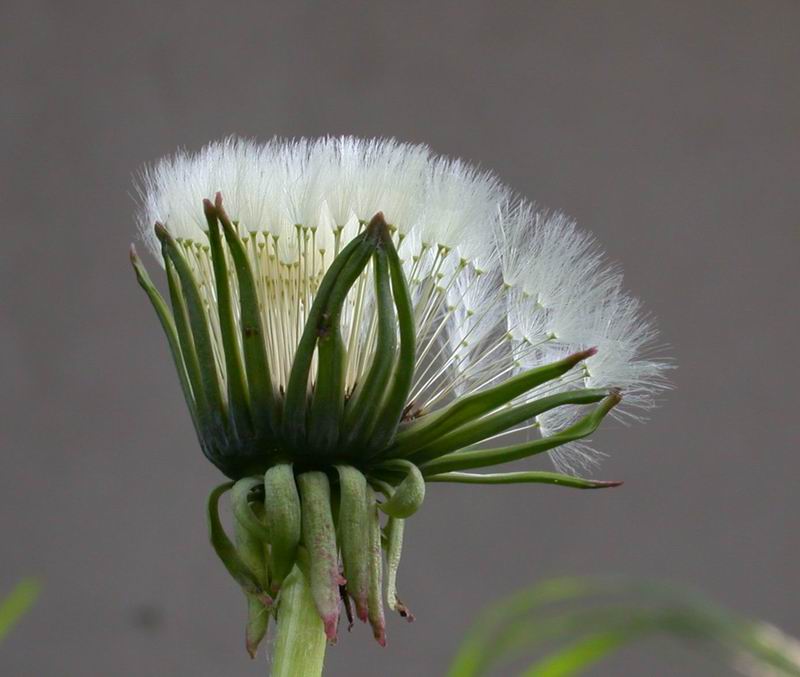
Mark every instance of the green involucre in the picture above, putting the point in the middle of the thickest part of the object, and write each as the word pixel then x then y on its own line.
pixel 466 460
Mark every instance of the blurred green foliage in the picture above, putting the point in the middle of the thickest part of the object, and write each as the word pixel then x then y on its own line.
pixel 565 626
pixel 17 603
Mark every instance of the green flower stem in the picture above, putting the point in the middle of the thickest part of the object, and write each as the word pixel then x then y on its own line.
pixel 300 640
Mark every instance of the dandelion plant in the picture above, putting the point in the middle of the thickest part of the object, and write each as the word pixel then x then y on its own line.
pixel 351 320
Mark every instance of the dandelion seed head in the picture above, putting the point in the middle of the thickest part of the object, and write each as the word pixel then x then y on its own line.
pixel 499 285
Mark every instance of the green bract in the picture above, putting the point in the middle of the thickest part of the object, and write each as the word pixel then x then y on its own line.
pixel 324 475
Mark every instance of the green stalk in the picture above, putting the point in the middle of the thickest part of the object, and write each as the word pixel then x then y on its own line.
pixel 300 640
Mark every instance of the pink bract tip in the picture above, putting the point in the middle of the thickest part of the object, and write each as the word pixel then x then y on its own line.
pixel 330 622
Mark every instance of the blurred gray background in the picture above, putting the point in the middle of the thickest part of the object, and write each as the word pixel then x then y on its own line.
pixel 668 129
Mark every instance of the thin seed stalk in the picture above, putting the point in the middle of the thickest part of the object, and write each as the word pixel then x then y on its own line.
pixel 300 638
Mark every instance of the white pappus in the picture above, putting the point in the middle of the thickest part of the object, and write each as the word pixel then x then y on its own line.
pixel 499 285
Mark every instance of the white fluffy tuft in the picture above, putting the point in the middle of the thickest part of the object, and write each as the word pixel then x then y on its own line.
pixel 499 284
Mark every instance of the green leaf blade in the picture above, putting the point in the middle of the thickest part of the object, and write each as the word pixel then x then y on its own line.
pixel 17 603
pixel 581 655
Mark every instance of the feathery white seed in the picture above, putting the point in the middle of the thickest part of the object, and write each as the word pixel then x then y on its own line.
pixel 499 285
